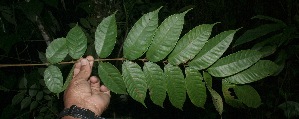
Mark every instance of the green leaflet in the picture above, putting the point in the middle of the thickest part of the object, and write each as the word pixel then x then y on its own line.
pixel 175 85
pixel 56 51
pixel 166 37
pixel 290 109
pixel 85 23
pixel 217 100
pixel 53 79
pixel 273 40
pixel 156 82
pixel 260 70
pixel 213 50
pixel 140 36
pixel 195 87
pixel 25 102
pixel 33 105
pixel 18 98
pixel 248 95
pixel 257 32
pixel 33 90
pixel 134 80
pixel 208 79
pixel 69 78
pixel 76 42
pixel 234 63
pixel 267 50
pixel 228 97
pixel 190 44
pixel 262 17
pixel 111 78
pixel 105 36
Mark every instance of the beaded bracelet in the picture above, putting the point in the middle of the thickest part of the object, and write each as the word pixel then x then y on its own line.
pixel 79 112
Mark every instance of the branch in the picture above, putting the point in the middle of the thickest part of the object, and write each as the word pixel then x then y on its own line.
pixel 42 29
pixel 70 62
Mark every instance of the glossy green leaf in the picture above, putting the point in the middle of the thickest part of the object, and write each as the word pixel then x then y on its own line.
pixel 212 50
pixel 33 105
pixel 25 102
pixel 33 90
pixel 53 79
pixel 156 82
pixel 57 50
pixel 39 95
pixel 217 100
pixel 18 98
pixel 229 96
pixel 257 32
pixel 76 42
pixel 166 37
pixel 105 36
pixel 111 78
pixel 234 63
pixel 135 81
pixel 195 86
pixel 248 95
pixel 175 87
pixel 260 70
pixel 140 36
pixel 190 44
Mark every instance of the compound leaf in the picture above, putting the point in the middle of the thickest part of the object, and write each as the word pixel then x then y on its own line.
pixel 141 35
pixel 260 70
pixel 213 50
pixel 53 79
pixel 234 63
pixel 156 82
pixel 105 36
pixel 190 44
pixel 135 82
pixel 195 87
pixel 76 42
pixel 166 37
pixel 175 85
pixel 111 78
pixel 248 95
pixel 56 51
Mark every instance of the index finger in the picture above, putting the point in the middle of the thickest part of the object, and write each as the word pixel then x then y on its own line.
pixel 84 69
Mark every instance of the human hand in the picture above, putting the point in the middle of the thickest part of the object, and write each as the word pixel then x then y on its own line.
pixel 85 91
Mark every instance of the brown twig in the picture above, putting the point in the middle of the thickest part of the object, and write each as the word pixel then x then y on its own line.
pixel 70 62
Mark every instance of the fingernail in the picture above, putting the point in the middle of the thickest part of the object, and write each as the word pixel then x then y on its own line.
pixel 84 62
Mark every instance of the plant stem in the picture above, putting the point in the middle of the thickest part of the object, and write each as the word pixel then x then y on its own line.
pixel 70 62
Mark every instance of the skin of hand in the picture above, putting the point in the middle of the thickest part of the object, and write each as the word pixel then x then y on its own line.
pixel 85 91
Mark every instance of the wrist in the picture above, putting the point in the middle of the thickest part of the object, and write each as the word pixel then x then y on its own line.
pixel 78 112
